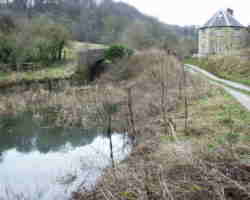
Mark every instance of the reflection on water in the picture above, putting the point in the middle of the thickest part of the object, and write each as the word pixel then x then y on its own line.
pixel 25 134
pixel 38 162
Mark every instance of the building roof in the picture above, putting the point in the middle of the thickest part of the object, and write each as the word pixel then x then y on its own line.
pixel 223 18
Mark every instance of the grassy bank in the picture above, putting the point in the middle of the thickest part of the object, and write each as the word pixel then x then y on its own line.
pixel 230 68
pixel 209 160
pixel 60 70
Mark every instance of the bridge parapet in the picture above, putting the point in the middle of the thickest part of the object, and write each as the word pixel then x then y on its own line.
pixel 86 60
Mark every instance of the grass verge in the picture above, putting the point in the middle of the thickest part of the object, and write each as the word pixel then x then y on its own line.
pixel 224 84
pixel 230 68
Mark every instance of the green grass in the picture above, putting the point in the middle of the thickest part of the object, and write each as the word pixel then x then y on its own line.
pixel 219 119
pixel 224 106
pixel 238 113
pixel 61 70
pixel 230 68
pixel 53 72
pixel 192 61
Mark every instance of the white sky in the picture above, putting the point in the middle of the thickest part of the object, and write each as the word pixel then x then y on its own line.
pixel 191 12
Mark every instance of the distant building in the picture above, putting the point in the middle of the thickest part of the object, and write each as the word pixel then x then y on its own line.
pixel 222 35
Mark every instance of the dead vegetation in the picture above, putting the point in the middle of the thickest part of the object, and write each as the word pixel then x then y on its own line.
pixel 76 105
pixel 197 166
pixel 208 157
pixel 187 146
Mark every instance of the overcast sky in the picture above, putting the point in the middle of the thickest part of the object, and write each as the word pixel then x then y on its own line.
pixel 191 12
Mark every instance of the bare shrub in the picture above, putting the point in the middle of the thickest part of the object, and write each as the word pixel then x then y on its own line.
pixel 183 169
pixel 183 175
pixel 74 105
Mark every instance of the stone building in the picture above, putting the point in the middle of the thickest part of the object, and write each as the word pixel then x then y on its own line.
pixel 222 35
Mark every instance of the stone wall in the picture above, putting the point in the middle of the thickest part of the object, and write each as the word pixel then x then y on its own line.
pixel 87 59
pixel 221 40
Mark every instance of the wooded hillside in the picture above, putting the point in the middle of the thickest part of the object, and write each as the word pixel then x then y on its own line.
pixel 105 21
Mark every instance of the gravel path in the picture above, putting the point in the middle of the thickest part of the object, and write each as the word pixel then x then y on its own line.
pixel 240 96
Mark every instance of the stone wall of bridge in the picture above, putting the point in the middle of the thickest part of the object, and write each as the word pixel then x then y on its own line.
pixel 87 60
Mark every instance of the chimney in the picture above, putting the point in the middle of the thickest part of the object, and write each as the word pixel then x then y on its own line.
pixel 230 11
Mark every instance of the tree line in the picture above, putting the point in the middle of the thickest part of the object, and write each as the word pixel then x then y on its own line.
pixel 44 26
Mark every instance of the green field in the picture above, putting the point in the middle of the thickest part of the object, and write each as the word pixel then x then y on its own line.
pixel 62 70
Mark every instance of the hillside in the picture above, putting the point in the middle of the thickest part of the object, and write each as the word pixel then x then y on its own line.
pixel 106 22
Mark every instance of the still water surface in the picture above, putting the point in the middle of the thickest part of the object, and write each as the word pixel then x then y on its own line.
pixel 39 162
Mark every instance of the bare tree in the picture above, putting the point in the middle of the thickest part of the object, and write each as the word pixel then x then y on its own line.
pixel 104 117
pixel 131 113
pixel 161 75
pixel 185 97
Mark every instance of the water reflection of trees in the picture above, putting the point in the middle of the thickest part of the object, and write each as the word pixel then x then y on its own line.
pixel 26 134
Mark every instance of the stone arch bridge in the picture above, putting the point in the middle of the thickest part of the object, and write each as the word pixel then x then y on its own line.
pixel 89 63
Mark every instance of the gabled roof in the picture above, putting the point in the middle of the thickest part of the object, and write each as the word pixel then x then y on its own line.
pixel 223 18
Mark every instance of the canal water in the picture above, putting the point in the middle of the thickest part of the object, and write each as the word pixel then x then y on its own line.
pixel 38 162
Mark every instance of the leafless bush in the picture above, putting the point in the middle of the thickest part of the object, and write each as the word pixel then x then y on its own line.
pixel 183 170
pixel 74 105
pixel 183 175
